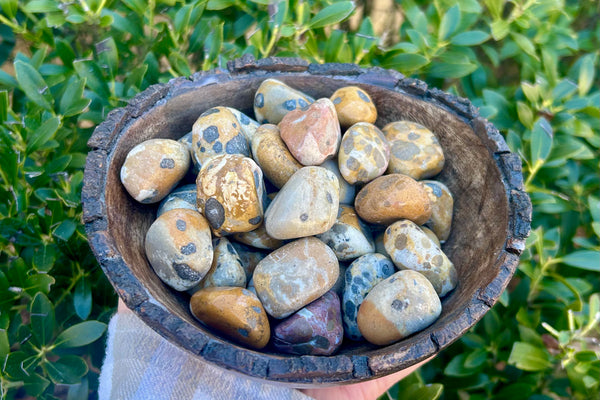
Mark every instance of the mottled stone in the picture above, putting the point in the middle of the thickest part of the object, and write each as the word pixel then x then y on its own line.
pixel 392 197
pixel 364 153
pixel 153 168
pixel 247 124
pixel 234 312
pixel 353 105
pixel 273 156
pixel 361 276
pixel 306 205
pixel 315 329
pixel 179 249
pixel 312 135
pixel 403 304
pixel 258 238
pixel 217 131
pixel 230 193
pixel 250 257
pixel 182 197
pixel 415 150
pixel 347 191
pixel 349 237
pixel 226 268
pixel 295 275
pixel 442 208
pixel 410 248
pixel 274 99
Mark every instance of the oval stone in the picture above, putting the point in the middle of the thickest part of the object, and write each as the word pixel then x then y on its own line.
pixel 247 124
pixel 153 168
pixel 349 237
pixel 226 268
pixel 230 193
pixel 312 135
pixel 182 197
pixel 398 306
pixel 295 275
pixel 316 329
pixel 415 150
pixel 364 153
pixel 305 206
pixel 347 191
pixel 442 204
pixel 234 312
pixel 274 99
pixel 353 105
pixel 273 156
pixel 362 276
pixel 179 249
pixel 410 248
pixel 392 197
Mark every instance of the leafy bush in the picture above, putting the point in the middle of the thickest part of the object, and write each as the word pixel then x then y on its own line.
pixel 531 67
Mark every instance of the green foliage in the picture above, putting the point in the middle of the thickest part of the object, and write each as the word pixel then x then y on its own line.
pixel 530 66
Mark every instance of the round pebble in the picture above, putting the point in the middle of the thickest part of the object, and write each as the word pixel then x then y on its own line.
pixel 274 99
pixel 273 156
pixel 364 153
pixel 349 237
pixel 353 105
pixel 442 204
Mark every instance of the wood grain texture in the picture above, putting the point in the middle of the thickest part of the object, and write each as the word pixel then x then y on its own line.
pixel 492 215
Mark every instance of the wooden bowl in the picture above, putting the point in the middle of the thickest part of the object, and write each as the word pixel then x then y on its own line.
pixel 492 213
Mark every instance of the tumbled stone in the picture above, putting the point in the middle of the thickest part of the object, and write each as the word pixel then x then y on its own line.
pixel 217 131
pixel 305 206
pixel 258 238
pixel 410 248
pixel 250 257
pixel 364 153
pixel 153 168
pixel 234 312
pixel 316 329
pixel 442 205
pixel 361 276
pixel 347 191
pixel 415 150
pixel 274 99
pixel 273 156
pixel 247 124
pixel 182 197
pixel 392 197
pixel 294 275
pixel 226 268
pixel 179 249
pixel 349 237
pixel 312 135
pixel 353 105
pixel 403 304
pixel 230 193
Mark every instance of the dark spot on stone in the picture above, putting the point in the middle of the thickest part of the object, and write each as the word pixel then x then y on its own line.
pixel 404 150
pixel 350 310
pixel 237 145
pixel 186 273
pixel 202 149
pixel 386 203
pixel 398 305
pixel 217 147
pixel 400 242
pixel 437 261
pixel 230 248
pixel 367 275
pixel 386 267
pixel 289 105
pixel 342 247
pixel 352 164
pixel 210 111
pixel 256 220
pixel 363 96
pixel 234 125
pixel 413 136
pixel 214 212
pixel 304 217
pixel 368 148
pixel 347 144
pixel 259 100
pixel 256 309
pixel 339 214
pixel 426 265
pixel 188 249
pixel 321 342
pixel 181 225
pixel 358 281
pixel 379 159
pixel 388 231
pixel 244 119
pixel 302 103
pixel 256 179
pixel 362 175
pixel 243 332
pixel 329 198
pixel 337 100
pixel 167 163
pixel 211 133
pixel 437 191
pixel 339 228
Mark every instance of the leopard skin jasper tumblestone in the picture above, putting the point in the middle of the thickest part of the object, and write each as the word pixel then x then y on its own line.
pixel 415 150
pixel 349 237
pixel 217 131
pixel 226 268
pixel 179 248
pixel 274 99
pixel 273 156
pixel 353 105
pixel 364 153
pixel 234 312
pixel 294 275
pixel 410 248
pixel 442 204
pixel 380 247
pixel 230 193
pixel 397 307
pixel 182 197
pixel 153 168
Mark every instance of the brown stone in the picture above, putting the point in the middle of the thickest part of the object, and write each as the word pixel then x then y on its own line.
pixel 273 156
pixel 353 105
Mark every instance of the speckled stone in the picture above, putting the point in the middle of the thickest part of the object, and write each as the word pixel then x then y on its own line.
pixel 295 275
pixel 362 276
pixel 274 99
pixel 258 238
pixel 349 237
pixel 410 248
pixel 179 249
pixel 347 191
pixel 230 193
pixel 305 206
pixel 315 329
pixel 353 105
pixel 182 197
pixel 273 156
pixel 226 268
pixel 364 153
pixel 415 150
pixel 217 131
pixel 250 257
pixel 312 135
pixel 398 306
pixel 234 312
pixel 392 197
pixel 247 124
pixel 153 168
pixel 442 206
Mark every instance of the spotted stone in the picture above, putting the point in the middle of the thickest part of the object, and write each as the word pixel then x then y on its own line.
pixel 349 237
pixel 442 205
pixel 274 99
pixel 246 124
pixel 273 156
pixel 182 197
pixel 364 153
pixel 226 268
pixel 353 105
pixel 347 191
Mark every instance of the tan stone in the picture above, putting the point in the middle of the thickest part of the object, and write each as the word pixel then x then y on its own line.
pixel 442 205
pixel 273 156
pixel 364 153
pixel 353 105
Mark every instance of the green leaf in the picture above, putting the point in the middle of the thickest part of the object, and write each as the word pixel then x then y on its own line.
pixel 495 7
pixel 4 106
pixel 82 298
pixel 34 86
pixel 80 391
pixel 72 101
pixel 80 334
pixel 476 359
pixel 41 6
pixel 214 41
pixel 65 229
pixel 42 318
pixel 406 62
pixel 500 28
pixel 43 134
pixel 470 38
pixel 10 7
pixel 541 140
pixel 423 392
pixel 219 4
pixel 532 92
pixel 525 44
pixel 331 14
pixel 449 23
pixel 564 89
pixel 108 55
pixel 528 357
pixel 4 344
pixel 35 384
pixel 456 367
pixel 584 259
pixel 525 114
pixel 38 283
pixel 448 70
pixel 89 70
pixel 67 370
pixel 586 74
